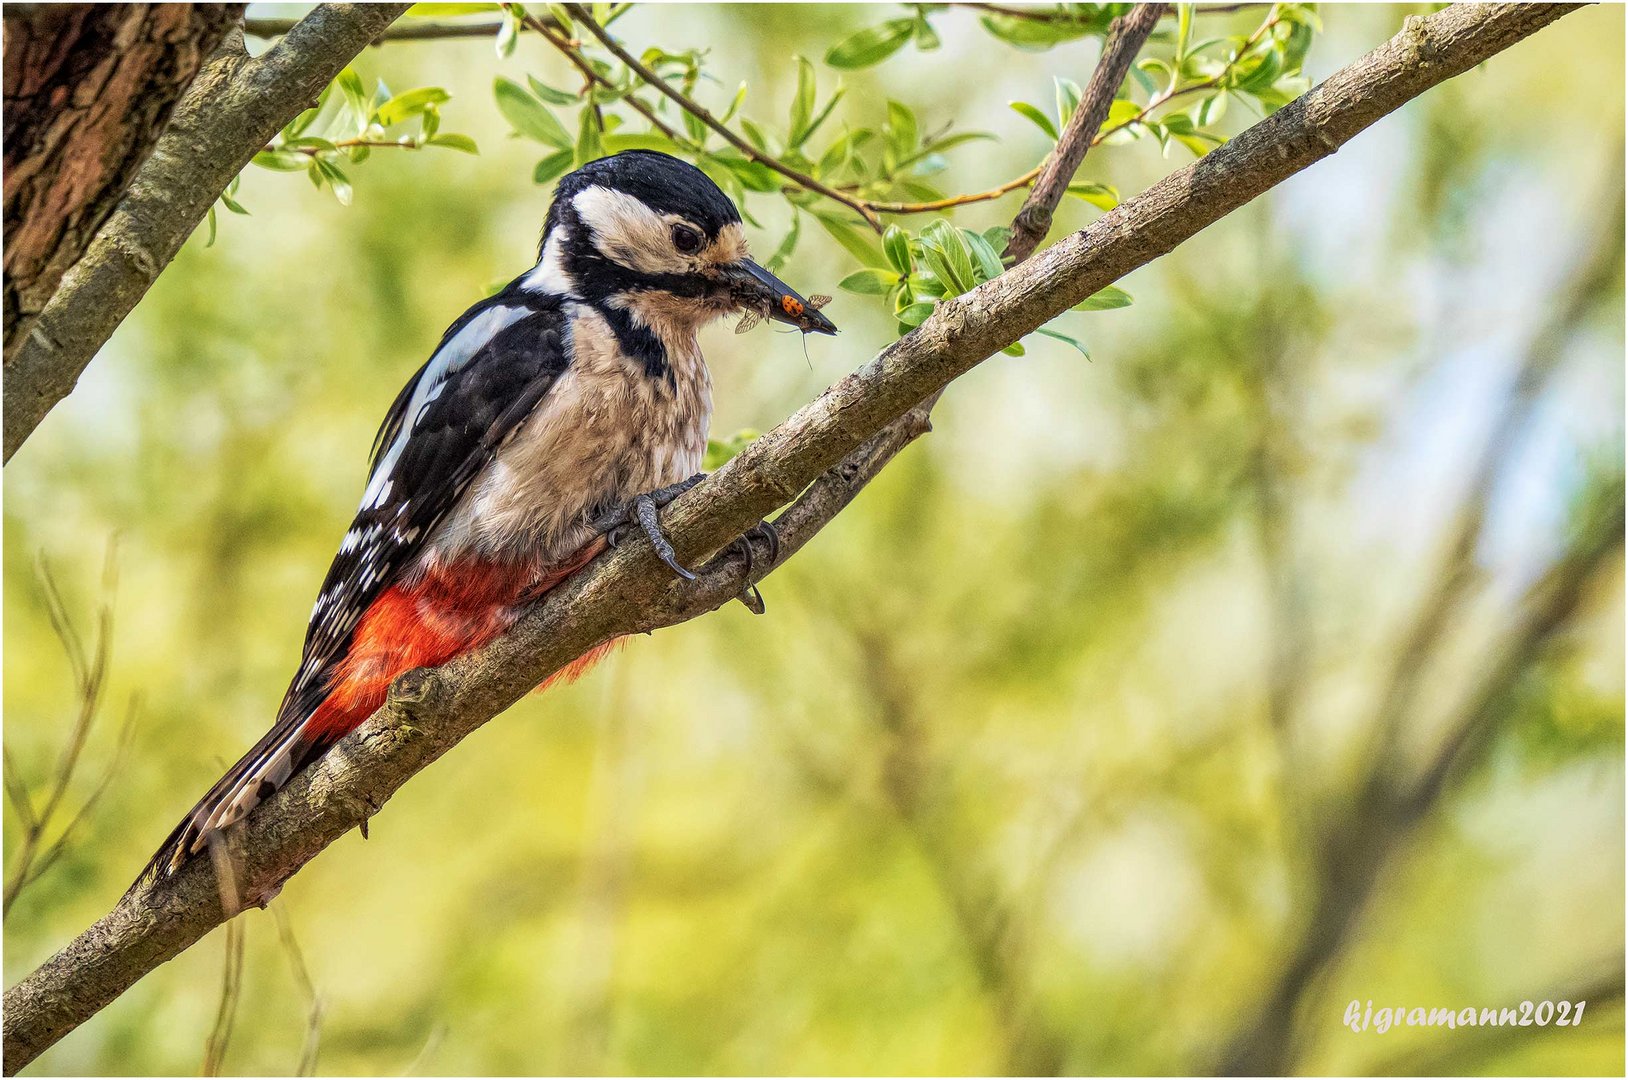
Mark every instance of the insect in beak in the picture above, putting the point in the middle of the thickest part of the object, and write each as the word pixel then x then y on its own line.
pixel 763 294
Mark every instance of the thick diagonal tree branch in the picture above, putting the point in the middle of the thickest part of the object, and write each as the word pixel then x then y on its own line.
pixel 233 108
pixel 816 461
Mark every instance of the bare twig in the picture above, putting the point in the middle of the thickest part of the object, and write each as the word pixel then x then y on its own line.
pixel 34 856
pixel 1126 36
pixel 302 979
pixel 231 988
pixel 818 460
pixel 572 51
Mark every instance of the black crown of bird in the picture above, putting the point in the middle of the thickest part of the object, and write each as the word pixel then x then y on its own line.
pixel 552 418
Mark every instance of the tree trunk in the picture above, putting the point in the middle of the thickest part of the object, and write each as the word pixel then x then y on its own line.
pixel 88 90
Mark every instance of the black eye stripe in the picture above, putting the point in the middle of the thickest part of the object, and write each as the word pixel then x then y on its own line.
pixel 687 240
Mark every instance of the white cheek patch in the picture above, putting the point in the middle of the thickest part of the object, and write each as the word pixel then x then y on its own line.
pixel 628 232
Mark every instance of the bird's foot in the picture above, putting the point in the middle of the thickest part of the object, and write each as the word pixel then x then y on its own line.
pixel 641 511
pixel 742 545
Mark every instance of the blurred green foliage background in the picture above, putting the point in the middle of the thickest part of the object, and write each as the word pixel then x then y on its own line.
pixel 1048 756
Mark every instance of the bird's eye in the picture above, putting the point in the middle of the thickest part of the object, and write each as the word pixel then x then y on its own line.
pixel 686 239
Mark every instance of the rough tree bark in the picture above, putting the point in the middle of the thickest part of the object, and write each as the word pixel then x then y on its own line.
pixel 816 461
pixel 233 108
pixel 88 90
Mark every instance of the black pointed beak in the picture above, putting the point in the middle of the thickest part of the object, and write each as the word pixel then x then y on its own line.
pixel 753 286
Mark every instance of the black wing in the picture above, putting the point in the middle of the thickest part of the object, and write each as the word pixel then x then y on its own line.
pixel 490 371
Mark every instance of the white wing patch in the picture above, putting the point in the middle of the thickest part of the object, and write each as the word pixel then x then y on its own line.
pixel 449 359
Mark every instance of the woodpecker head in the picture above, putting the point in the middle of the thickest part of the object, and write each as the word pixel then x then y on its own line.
pixel 648 234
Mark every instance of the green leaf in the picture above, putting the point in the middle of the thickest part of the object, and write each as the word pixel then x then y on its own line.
pixel 1184 30
pixel 871 45
pixel 529 116
pixel 953 264
pixel 350 85
pixel 1036 35
pixel 987 258
pixel 507 35
pixel 998 236
pixel 753 175
pixel 697 129
pixel 926 37
pixel 309 142
pixel 336 180
pixel 823 114
pixel 456 142
pixel 754 135
pixel 802 104
pixel 1015 349
pixel 549 94
pixel 649 140
pixel 410 103
pixel 589 146
pixel 720 451
pixel 858 244
pixel 945 142
pixel 896 245
pixel 1103 196
pixel 914 315
pixel 787 246
pixel 871 281
pixel 232 204
pixel 734 106
pixel 1105 300
pixel 552 166
pixel 1041 120
pixel 209 218
pixel 902 129
pixel 1065 338
pixel 282 160
pixel 1068 99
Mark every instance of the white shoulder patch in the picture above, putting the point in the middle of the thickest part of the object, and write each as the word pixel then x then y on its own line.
pixel 449 359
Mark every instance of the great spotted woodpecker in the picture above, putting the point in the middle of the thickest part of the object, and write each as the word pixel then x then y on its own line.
pixel 547 413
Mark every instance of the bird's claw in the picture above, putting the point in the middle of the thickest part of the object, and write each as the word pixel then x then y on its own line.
pixel 641 511
pixel 750 596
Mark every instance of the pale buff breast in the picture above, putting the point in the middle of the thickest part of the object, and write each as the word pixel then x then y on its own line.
pixel 605 432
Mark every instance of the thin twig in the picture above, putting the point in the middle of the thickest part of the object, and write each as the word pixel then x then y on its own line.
pixel 689 105
pixel 1125 39
pixel 89 676
pixel 346 144
pixel 1058 17
pixel 302 979
pixel 572 51
pixel 120 753
pixel 231 987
